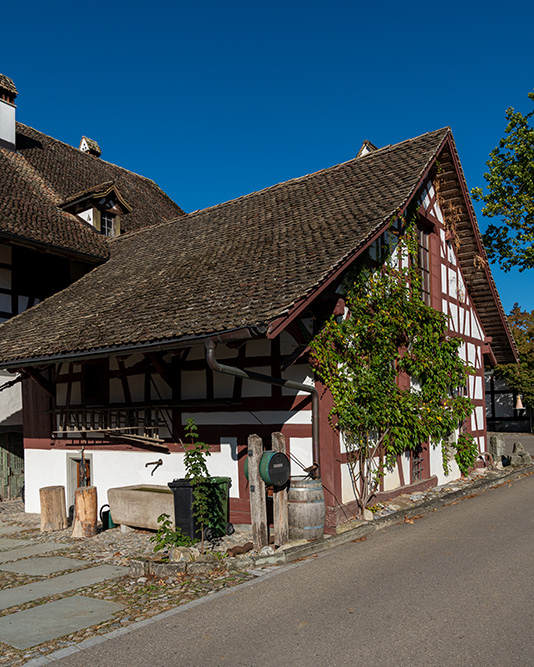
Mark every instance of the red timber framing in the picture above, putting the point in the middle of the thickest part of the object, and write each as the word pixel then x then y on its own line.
pixel 178 384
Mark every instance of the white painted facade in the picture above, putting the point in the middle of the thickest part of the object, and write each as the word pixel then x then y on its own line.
pixel 10 402
pixel 7 122
pixel 112 468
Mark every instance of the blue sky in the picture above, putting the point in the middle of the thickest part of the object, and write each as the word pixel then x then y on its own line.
pixel 214 100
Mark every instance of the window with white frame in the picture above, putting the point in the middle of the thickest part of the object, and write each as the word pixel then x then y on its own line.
pixel 107 224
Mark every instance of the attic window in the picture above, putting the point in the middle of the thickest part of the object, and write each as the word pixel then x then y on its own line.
pixel 107 223
pixel 101 206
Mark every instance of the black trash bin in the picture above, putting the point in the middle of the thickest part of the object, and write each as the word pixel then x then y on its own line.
pixel 183 508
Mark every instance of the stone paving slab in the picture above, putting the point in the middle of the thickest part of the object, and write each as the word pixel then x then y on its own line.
pixel 38 567
pixel 54 619
pixel 10 597
pixel 33 550
pixel 7 543
pixel 6 530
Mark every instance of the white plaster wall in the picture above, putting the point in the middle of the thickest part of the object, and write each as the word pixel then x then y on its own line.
pixel 252 388
pixel 193 385
pixel 405 462
pixel 223 385
pixel 302 449
pixel 5 278
pixel 258 348
pixel 5 303
pixel 7 122
pixel 224 352
pixel 42 467
pixel 116 391
pixel 391 479
pixel 5 253
pixel 436 466
pixel 300 373
pixel 347 491
pixel 116 468
pixel 134 359
pixel 287 344
pixel 10 402
pixel 87 216
pixel 159 389
pixel 22 303
pixel 197 352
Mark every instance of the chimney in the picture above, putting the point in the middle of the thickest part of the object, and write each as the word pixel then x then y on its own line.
pixel 8 92
pixel 90 146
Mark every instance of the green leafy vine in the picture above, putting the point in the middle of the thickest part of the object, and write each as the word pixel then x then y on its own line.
pixel 395 375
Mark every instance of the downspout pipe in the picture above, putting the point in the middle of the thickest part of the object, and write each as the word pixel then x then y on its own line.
pixel 280 382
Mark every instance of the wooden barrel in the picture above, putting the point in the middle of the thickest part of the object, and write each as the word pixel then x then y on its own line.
pixel 306 508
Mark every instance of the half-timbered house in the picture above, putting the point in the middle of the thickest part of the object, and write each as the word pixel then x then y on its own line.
pixel 210 316
pixel 58 206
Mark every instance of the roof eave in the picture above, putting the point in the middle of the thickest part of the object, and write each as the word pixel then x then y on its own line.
pixel 229 335
pixel 481 248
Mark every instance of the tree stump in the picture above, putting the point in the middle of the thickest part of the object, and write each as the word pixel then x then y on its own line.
pixel 85 512
pixel 53 508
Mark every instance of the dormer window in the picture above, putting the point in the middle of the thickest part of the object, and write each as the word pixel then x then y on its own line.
pixel 101 207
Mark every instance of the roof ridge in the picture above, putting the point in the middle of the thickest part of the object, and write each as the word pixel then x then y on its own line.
pixel 93 157
pixel 382 149
pixel 116 172
pixel 221 205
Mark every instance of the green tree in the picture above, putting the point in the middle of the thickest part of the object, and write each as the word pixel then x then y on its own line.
pixel 520 377
pixel 510 194
pixel 391 333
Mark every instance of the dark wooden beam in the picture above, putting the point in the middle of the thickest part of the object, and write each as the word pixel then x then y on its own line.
pixel 161 366
pixel 40 380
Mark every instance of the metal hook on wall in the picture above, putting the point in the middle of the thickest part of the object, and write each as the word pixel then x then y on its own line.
pixel 156 465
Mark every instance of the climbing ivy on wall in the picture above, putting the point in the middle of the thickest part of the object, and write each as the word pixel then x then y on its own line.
pixel 390 334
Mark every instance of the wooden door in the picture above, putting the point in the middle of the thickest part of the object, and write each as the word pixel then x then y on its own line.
pixel 11 465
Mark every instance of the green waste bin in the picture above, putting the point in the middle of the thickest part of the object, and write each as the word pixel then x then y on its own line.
pixel 183 508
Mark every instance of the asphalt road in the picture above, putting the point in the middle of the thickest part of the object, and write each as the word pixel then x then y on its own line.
pixel 453 588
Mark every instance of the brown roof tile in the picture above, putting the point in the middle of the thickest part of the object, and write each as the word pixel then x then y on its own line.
pixel 44 172
pixel 7 84
pixel 241 263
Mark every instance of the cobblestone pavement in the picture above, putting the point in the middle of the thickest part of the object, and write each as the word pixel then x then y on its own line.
pixel 142 597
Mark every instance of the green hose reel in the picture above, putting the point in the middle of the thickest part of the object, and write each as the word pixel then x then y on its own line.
pixel 274 468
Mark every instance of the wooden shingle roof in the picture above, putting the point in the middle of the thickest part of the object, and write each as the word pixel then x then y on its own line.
pixel 7 84
pixel 44 172
pixel 243 263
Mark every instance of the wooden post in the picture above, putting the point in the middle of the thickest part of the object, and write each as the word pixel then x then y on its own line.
pixel 53 508
pixel 258 503
pixel 280 506
pixel 85 512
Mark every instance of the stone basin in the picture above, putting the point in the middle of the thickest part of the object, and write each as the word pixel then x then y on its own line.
pixel 140 505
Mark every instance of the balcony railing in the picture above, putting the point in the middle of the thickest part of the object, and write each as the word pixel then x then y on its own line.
pixel 146 423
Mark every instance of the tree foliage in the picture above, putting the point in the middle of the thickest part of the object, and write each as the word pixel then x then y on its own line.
pixel 520 377
pixel 390 333
pixel 510 194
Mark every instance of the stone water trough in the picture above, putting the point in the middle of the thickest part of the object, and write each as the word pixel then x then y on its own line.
pixel 140 505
